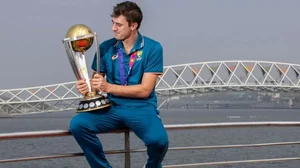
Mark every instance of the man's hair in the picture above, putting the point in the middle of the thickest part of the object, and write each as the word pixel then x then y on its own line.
pixel 130 10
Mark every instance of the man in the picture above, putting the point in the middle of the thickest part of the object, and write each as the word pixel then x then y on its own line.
pixel 131 63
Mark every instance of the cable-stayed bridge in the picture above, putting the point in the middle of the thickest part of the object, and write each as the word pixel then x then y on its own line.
pixel 193 78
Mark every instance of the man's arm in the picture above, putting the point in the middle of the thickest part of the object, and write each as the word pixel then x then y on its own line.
pixel 142 90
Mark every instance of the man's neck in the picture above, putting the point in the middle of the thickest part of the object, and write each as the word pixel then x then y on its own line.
pixel 129 42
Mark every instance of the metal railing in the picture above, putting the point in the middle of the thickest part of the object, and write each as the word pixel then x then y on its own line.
pixel 127 150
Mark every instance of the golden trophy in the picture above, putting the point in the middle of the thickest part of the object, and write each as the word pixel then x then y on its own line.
pixel 79 39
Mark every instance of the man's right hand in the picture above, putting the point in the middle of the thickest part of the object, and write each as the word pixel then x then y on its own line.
pixel 82 86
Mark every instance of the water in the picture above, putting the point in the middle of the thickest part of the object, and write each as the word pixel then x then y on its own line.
pixel 201 137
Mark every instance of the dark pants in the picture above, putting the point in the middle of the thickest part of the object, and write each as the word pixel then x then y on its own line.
pixel 143 121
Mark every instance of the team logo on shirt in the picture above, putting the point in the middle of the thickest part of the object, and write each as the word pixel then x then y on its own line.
pixel 114 56
pixel 139 55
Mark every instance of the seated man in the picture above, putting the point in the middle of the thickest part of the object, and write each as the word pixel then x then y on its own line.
pixel 132 63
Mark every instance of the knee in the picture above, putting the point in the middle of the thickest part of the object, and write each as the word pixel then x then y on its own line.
pixel 159 142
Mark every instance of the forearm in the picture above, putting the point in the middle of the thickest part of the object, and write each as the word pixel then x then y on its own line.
pixel 132 91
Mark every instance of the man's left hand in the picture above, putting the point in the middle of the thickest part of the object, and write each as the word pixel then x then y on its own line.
pixel 99 83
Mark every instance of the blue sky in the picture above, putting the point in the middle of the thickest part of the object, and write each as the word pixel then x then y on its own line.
pixel 32 52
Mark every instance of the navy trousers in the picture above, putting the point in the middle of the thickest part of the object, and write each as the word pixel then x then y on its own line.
pixel 143 121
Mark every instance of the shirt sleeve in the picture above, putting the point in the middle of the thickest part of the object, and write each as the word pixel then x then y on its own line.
pixel 155 60
pixel 102 60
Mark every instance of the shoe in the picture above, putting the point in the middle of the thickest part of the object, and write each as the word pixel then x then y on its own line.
pixel 144 165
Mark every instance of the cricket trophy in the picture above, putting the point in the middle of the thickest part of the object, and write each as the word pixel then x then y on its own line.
pixel 79 39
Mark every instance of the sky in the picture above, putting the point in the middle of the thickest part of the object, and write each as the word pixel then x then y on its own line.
pixel 32 53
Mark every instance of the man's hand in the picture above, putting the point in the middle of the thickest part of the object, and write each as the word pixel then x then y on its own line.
pixel 82 86
pixel 99 83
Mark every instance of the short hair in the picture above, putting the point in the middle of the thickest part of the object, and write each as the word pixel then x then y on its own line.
pixel 130 10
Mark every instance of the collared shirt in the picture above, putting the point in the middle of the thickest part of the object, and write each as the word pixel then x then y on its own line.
pixel 149 59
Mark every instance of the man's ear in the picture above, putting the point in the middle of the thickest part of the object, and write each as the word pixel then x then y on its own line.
pixel 134 26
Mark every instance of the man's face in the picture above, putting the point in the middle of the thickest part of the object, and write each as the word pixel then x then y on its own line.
pixel 121 28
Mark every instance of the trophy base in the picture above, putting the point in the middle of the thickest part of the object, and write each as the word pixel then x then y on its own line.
pixel 93 102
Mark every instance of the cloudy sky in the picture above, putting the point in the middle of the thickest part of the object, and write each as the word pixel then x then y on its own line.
pixel 31 33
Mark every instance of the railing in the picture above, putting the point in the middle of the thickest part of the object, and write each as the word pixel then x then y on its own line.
pixel 127 151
